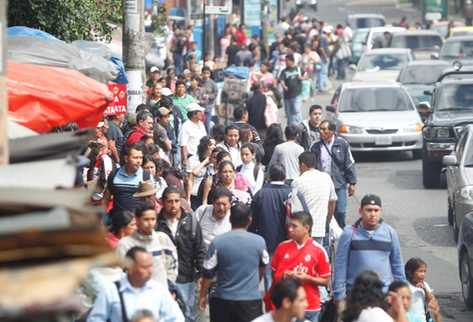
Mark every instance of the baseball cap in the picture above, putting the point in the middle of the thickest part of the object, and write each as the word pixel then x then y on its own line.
pixel 165 91
pixel 194 107
pixel 371 199
pixel 154 69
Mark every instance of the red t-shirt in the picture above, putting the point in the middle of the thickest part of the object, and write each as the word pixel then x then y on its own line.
pixel 311 259
pixel 136 135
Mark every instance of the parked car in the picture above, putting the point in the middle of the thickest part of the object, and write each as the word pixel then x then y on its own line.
pixel 459 174
pixel 423 43
pixel 365 20
pixel 382 64
pixel 451 109
pixel 465 259
pixel 420 76
pixel 357 44
pixel 458 48
pixel 377 117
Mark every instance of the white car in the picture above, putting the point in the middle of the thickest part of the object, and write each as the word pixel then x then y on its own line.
pixel 377 117
pixel 382 65
pixel 376 32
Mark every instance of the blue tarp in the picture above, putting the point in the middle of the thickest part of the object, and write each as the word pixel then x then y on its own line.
pixel 20 31
pixel 240 72
pixel 121 79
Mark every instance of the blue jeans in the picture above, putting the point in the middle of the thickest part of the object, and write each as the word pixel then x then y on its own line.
pixel 268 276
pixel 188 295
pixel 341 206
pixel 312 316
pixel 322 76
pixel 292 106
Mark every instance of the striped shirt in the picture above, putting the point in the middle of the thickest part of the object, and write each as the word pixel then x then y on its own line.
pixel 123 186
pixel 161 247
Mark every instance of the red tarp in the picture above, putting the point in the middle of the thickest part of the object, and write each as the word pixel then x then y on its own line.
pixel 42 97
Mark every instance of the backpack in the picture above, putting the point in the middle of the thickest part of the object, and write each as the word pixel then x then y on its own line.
pixel 255 170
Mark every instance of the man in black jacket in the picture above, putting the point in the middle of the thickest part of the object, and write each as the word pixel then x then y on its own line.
pixel 186 234
pixel 334 157
pixel 269 215
pixel 256 105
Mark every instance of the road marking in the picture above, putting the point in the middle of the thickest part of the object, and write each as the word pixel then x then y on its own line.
pixel 441 225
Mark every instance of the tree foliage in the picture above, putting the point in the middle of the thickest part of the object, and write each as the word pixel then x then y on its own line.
pixel 67 19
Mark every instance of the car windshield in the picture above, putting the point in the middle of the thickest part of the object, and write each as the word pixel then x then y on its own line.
pixel 457 49
pixel 421 74
pixel 416 42
pixel 374 99
pixel 382 62
pixel 359 36
pixel 369 22
pixel 455 97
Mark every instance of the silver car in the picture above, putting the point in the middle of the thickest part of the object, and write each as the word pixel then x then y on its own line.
pixel 459 173
pixel 374 117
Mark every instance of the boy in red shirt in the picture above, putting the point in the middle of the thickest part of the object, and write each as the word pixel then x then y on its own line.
pixel 304 259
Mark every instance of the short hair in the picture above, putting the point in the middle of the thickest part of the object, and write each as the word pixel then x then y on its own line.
pixel 291 132
pixel 180 82
pixel 285 288
pixel 141 108
pixel 277 172
pixel 206 69
pixel 219 192
pixel 142 208
pixel 240 215
pixel 304 218
pixel 308 158
pixel 396 285
pixel 239 112
pixel 166 102
pixel 290 57
pixel 231 127
pixel 128 148
pixel 169 190
pixel 139 315
pixel 249 146
pixel 331 125
pixel 315 107
pixel 143 115
pixel 131 253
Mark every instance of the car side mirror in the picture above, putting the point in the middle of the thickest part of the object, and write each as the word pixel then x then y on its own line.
pixel 434 56
pixel 450 160
pixel 331 109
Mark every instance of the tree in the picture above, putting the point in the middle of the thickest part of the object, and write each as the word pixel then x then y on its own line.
pixel 68 20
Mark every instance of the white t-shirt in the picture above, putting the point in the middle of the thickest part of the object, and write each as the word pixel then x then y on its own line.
pixel 268 317
pixel 374 314
pixel 190 135
pixel 318 189
pixel 196 180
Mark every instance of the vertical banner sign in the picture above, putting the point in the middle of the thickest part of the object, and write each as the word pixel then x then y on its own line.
pixel 252 16
pixel 119 101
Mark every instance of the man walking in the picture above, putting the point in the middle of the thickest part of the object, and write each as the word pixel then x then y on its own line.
pixel 318 191
pixel 210 90
pixel 310 132
pixel 135 292
pixel 303 258
pixel 184 231
pixel 269 218
pixel 231 143
pixel 237 259
pixel 156 243
pixel 291 81
pixel 370 244
pixel 334 157
pixel 287 153
pixel 144 121
pixel 256 106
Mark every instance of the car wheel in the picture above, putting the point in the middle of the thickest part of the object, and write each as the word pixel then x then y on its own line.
pixel 450 213
pixel 466 279
pixel 417 154
pixel 456 229
pixel 430 174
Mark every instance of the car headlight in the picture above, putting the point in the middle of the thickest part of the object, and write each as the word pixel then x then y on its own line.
pixel 413 128
pixel 466 193
pixel 441 132
pixel 349 129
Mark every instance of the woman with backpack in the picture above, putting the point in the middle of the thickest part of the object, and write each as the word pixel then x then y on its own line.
pixel 251 168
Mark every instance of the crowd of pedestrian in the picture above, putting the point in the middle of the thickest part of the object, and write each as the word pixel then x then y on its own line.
pixel 201 212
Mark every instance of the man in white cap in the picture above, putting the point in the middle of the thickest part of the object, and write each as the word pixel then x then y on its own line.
pixel 154 76
pixel 191 132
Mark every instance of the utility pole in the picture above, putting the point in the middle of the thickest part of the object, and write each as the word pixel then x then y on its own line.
pixel 265 13
pixel 4 156
pixel 134 51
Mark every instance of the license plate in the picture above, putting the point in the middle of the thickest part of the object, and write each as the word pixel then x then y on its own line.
pixel 383 140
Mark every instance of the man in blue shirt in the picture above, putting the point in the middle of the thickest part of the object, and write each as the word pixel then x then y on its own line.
pixel 133 292
pixel 237 259
pixel 370 244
